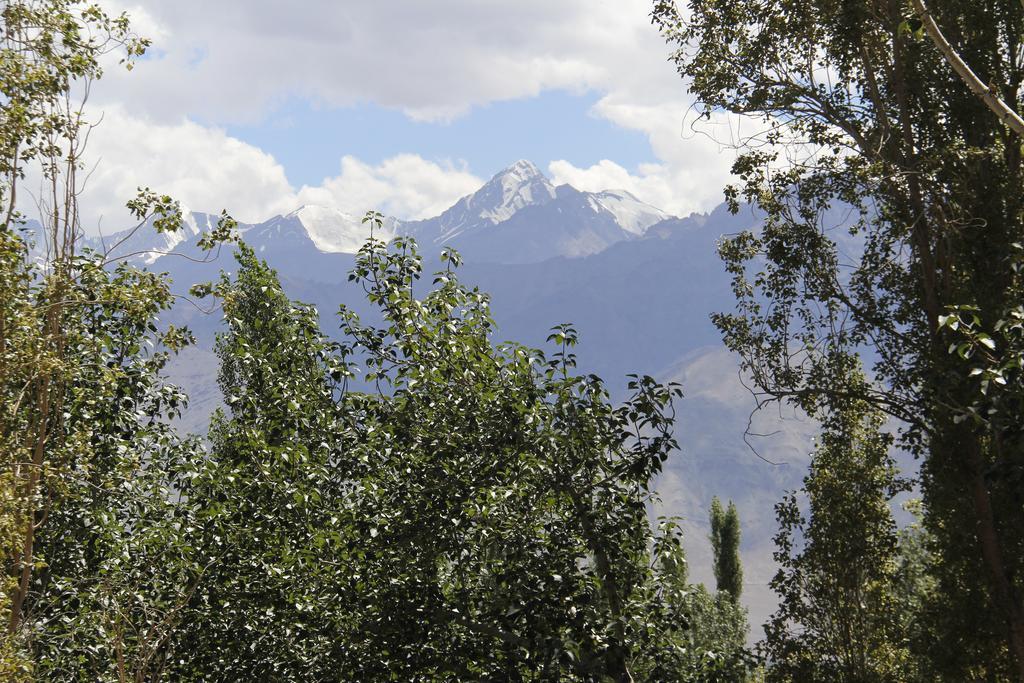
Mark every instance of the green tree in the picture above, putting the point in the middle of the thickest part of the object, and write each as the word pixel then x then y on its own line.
pixel 273 496
pixel 707 631
pixel 96 562
pixel 914 591
pixel 115 562
pixel 891 197
pixel 725 544
pixel 46 48
pixel 840 616
pixel 479 513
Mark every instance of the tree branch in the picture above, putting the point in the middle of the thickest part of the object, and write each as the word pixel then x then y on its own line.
pixel 1007 115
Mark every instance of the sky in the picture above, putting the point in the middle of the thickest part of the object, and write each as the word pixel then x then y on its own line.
pixel 261 106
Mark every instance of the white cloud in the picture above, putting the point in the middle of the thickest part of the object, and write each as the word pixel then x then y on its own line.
pixel 234 61
pixel 143 23
pixel 203 167
pixel 406 186
pixel 694 157
pixel 231 60
pixel 208 170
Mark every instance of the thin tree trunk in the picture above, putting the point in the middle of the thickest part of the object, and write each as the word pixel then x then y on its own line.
pixel 28 545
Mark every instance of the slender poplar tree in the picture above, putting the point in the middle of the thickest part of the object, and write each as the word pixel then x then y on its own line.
pixel 725 542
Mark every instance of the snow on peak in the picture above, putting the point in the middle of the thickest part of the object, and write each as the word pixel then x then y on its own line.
pixel 336 232
pixel 519 185
pixel 630 213
pixel 523 169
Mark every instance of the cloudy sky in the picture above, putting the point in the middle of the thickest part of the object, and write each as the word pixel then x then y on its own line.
pixel 260 106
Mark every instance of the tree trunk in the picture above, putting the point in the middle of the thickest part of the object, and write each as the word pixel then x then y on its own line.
pixel 1003 591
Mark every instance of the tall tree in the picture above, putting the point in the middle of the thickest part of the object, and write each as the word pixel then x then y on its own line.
pixel 50 51
pixel 861 113
pixel 273 495
pixel 709 630
pixel 95 566
pixel 46 48
pixel 115 561
pixel 839 613
pixel 725 545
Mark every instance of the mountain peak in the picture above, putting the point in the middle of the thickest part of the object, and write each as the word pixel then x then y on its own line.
pixel 511 189
pixel 633 215
pixel 319 212
pixel 522 169
pixel 519 185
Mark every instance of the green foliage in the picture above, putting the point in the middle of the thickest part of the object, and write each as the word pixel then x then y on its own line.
pixel 715 644
pixel 97 563
pixel 892 200
pixel 841 616
pixel 481 515
pixel 917 600
pixel 115 563
pixel 708 631
pixel 271 497
pixel 47 49
pixel 725 543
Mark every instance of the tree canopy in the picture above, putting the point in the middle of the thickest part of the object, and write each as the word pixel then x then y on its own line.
pixel 482 514
pixel 892 205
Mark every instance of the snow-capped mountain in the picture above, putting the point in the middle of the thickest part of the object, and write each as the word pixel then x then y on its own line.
pixel 333 231
pixel 573 224
pixel 518 216
pixel 518 186
pixel 630 213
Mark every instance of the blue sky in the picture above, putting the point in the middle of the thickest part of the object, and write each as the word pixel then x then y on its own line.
pixel 260 106
pixel 308 138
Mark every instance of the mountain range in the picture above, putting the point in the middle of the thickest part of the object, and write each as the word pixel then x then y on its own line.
pixel 517 217
pixel 637 283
